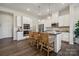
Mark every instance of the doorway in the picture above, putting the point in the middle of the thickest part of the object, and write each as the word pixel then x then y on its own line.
pixel 6 25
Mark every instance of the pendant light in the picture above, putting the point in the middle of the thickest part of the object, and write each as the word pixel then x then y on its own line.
pixel 39 14
pixel 50 12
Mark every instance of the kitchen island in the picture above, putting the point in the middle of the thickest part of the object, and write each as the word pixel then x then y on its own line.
pixel 57 40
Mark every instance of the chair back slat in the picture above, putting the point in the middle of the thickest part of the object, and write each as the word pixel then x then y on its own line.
pixel 35 35
pixel 30 34
pixel 44 38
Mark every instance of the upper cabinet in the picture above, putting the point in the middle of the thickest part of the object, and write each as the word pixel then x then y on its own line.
pixel 64 11
pixel 64 20
pixel 27 20
pixel 64 16
pixel 19 20
pixel 46 22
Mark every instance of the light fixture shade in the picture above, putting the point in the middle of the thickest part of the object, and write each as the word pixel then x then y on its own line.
pixel 28 9
pixel 39 20
pixel 39 14
pixel 49 17
pixel 49 10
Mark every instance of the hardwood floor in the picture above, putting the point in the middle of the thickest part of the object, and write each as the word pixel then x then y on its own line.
pixel 19 48
pixel 8 47
pixel 69 50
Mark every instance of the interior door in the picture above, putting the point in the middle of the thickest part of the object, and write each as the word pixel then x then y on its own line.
pixel 5 25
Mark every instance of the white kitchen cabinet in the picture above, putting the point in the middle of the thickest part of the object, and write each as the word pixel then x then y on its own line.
pixel 19 36
pixel 64 20
pixel 19 20
pixel 65 36
pixel 57 43
pixel 56 37
pixel 19 29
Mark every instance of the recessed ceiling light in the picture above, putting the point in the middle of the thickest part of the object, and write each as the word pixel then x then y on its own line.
pixel 39 20
pixel 63 3
pixel 47 10
pixel 48 17
pixel 39 13
pixel 28 9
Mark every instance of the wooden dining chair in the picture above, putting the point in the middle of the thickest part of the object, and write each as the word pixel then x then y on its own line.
pixel 31 38
pixel 44 43
pixel 36 38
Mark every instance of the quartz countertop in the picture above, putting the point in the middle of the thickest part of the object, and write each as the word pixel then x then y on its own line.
pixel 53 32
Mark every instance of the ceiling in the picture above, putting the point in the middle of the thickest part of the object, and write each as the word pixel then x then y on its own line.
pixel 34 9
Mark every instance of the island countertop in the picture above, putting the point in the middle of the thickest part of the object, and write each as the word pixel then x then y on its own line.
pixel 53 32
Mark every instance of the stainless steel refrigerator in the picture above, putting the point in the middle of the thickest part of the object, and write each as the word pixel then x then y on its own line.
pixel 41 27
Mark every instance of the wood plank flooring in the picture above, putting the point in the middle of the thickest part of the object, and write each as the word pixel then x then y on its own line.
pixel 19 48
pixel 8 47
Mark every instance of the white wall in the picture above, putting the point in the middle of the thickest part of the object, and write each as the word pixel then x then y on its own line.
pixel 74 15
pixel 5 25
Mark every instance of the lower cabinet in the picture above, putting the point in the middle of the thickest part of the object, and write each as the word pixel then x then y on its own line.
pixel 65 36
pixel 57 43
pixel 19 35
